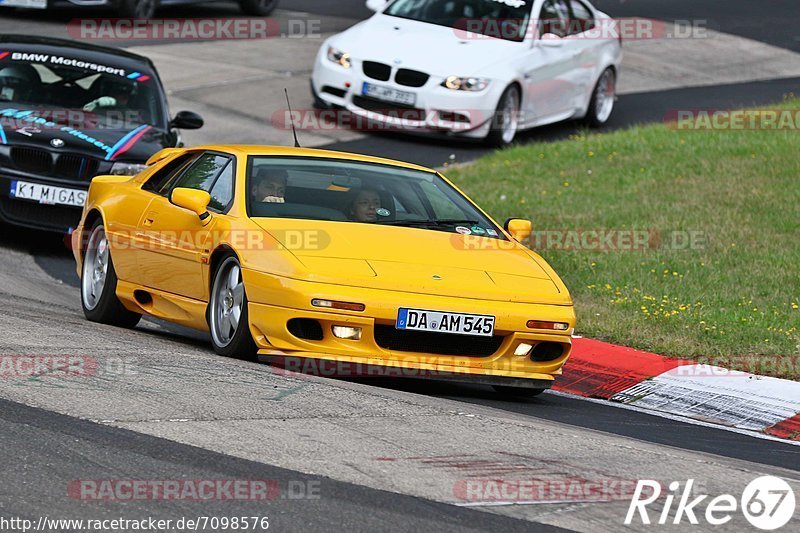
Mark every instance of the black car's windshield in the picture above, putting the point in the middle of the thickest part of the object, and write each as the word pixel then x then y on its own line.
pixel 504 19
pixel 81 93
pixel 356 192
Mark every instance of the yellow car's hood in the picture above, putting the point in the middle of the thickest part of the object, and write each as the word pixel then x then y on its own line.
pixel 417 260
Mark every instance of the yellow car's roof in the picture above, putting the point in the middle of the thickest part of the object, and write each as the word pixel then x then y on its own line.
pixel 290 151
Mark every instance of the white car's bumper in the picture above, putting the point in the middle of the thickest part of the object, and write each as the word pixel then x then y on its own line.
pixel 436 110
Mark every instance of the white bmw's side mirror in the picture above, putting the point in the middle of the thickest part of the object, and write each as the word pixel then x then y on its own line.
pixel 376 5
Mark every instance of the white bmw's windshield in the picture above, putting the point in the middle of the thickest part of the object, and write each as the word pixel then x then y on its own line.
pixel 504 19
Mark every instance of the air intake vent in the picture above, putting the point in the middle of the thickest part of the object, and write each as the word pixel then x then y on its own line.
pixel 32 160
pixel 437 343
pixel 377 71
pixel 411 78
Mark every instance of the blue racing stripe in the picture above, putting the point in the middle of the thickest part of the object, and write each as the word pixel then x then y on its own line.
pixel 122 141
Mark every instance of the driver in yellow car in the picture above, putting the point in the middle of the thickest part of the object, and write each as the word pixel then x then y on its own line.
pixel 365 205
pixel 269 185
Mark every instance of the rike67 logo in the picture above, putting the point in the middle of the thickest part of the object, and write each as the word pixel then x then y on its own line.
pixel 767 502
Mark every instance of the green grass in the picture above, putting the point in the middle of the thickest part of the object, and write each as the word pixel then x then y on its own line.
pixel 736 295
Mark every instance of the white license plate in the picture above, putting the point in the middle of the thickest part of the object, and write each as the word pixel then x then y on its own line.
pixel 388 94
pixel 47 194
pixel 38 4
pixel 443 322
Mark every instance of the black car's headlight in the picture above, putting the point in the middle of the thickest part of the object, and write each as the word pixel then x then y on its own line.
pixel 127 169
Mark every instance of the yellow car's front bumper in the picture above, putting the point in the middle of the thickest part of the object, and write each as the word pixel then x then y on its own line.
pixel 269 327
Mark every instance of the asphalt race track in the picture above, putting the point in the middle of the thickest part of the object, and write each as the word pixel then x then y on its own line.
pixel 184 413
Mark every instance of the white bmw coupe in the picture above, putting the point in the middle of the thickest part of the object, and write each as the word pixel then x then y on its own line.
pixel 481 69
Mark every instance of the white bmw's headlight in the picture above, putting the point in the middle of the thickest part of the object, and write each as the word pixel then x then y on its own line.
pixel 337 56
pixel 473 84
pixel 127 169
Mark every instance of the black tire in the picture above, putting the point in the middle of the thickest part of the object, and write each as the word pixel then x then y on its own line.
pixel 593 118
pixel 495 137
pixel 138 9
pixel 258 8
pixel 517 392
pixel 107 309
pixel 241 344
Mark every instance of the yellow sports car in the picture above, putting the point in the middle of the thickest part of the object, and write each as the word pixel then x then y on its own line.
pixel 312 256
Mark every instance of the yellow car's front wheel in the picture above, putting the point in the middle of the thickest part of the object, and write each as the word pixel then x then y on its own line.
pixel 99 283
pixel 227 312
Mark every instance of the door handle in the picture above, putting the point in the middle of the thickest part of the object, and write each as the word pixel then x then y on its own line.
pixel 150 218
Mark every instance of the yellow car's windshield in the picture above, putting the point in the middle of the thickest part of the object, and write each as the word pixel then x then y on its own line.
pixel 359 192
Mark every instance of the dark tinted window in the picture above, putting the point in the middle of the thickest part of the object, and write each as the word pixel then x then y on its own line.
pixel 554 18
pixel 357 192
pixel 203 173
pixel 582 19
pixel 222 191
pixel 159 181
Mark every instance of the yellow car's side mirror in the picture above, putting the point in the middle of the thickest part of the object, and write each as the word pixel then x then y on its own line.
pixel 519 228
pixel 194 200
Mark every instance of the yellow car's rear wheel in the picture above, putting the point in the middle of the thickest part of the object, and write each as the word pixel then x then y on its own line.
pixel 228 319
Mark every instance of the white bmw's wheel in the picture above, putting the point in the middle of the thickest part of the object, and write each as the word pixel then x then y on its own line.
pixel 505 121
pixel 603 99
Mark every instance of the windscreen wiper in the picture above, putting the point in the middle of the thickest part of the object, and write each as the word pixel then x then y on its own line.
pixel 434 223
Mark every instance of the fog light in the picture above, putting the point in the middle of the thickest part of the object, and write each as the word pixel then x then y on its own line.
pixel 347 332
pixel 541 324
pixel 333 304
pixel 523 349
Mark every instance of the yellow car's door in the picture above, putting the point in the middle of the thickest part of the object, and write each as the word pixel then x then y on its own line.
pixel 176 241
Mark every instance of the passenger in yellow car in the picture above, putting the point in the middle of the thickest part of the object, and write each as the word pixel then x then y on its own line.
pixel 269 185
pixel 365 206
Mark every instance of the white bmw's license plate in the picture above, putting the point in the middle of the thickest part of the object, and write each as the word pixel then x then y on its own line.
pixel 47 194
pixel 39 4
pixel 388 94
pixel 443 322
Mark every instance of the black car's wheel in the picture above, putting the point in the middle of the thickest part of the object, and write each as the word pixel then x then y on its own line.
pixel 603 99
pixel 517 392
pixel 227 316
pixel 99 283
pixel 505 120
pixel 138 9
pixel 258 8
